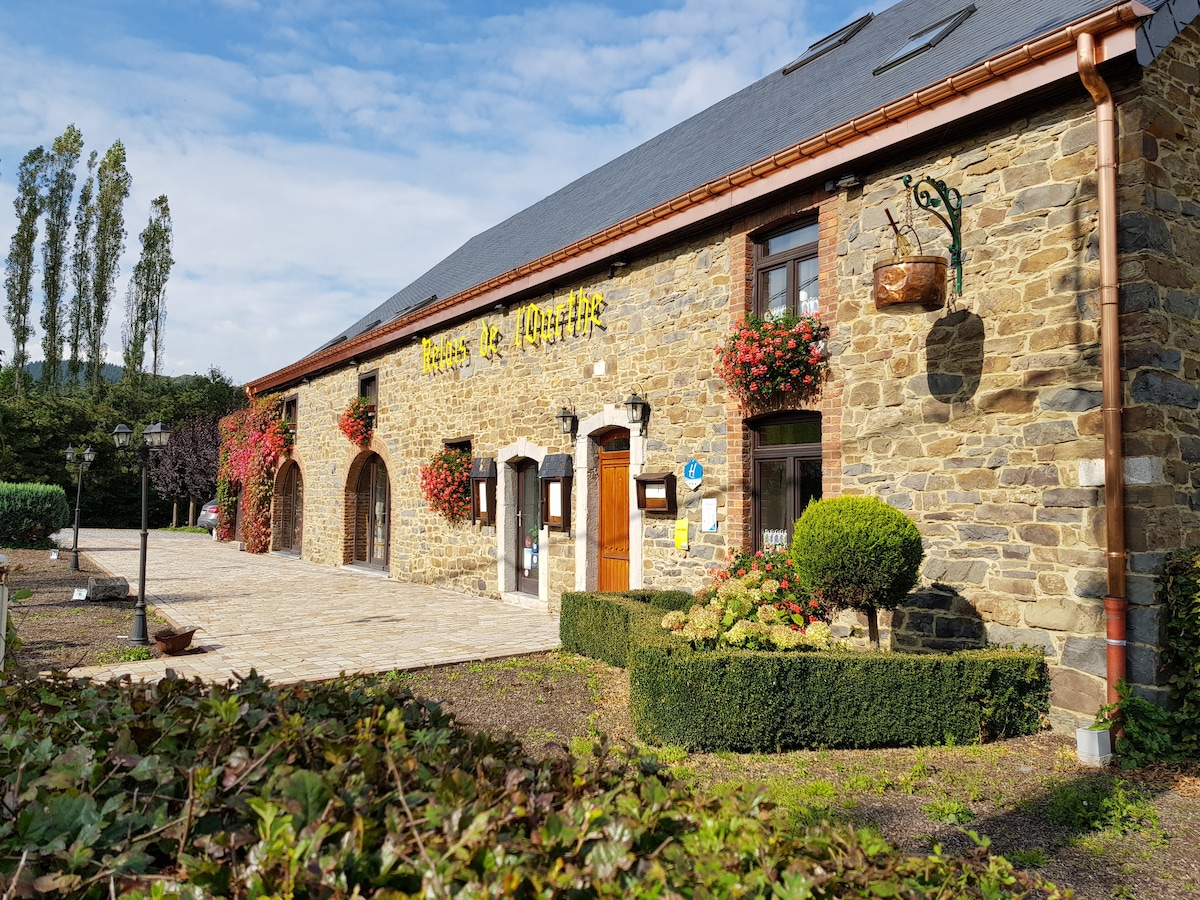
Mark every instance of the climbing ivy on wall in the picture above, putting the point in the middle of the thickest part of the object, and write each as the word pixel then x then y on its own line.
pixel 1179 594
pixel 252 442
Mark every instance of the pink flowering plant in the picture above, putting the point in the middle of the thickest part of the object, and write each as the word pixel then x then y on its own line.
pixel 358 421
pixel 764 359
pixel 754 603
pixel 446 484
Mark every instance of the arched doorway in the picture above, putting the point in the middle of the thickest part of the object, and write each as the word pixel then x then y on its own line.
pixel 291 506
pixel 372 514
pixel 613 531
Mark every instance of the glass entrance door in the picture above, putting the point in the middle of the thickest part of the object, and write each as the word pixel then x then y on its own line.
pixel 529 527
pixel 293 511
pixel 379 517
pixel 372 514
pixel 787 475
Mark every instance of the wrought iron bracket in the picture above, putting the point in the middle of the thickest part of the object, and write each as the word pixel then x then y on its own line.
pixel 950 200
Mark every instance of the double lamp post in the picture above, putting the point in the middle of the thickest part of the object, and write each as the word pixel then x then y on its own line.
pixel 154 437
pixel 78 461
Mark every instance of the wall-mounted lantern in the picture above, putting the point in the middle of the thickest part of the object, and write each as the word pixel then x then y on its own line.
pixel 483 490
pixel 567 420
pixel 555 475
pixel 638 410
pixel 656 491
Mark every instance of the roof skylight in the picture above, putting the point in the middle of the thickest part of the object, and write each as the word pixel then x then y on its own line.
pixel 826 44
pixel 923 40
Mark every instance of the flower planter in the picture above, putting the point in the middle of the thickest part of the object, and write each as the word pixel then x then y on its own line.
pixel 777 360
pixel 170 643
pixel 357 423
pixel 910 280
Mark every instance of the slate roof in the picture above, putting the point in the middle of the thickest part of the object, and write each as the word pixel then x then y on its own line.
pixel 771 114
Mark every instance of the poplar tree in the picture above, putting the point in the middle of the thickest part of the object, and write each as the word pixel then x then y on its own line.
pixel 113 184
pixel 145 299
pixel 159 271
pixel 81 272
pixel 18 276
pixel 60 190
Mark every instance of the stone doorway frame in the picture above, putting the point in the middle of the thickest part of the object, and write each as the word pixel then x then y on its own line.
pixel 587 496
pixel 506 523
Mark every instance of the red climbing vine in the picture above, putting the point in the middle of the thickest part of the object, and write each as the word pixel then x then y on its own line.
pixel 252 442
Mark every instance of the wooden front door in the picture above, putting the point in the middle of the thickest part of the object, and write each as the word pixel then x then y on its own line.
pixel 372 515
pixel 613 573
pixel 529 527
pixel 293 511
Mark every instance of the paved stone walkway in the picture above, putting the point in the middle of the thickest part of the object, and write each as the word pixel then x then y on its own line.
pixel 296 621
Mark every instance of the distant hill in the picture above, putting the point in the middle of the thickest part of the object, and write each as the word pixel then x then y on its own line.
pixel 110 373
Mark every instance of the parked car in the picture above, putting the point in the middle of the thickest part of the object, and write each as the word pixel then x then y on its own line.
pixel 208 516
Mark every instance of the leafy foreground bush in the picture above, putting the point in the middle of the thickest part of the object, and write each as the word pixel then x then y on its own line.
pixel 356 789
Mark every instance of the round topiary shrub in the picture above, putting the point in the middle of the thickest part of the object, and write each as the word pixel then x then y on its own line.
pixel 857 553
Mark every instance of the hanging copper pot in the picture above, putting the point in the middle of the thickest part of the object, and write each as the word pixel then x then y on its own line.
pixel 915 280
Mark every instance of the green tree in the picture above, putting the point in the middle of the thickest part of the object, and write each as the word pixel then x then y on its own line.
pixel 60 191
pixel 145 300
pixel 81 273
pixel 158 271
pixel 113 185
pixel 857 553
pixel 18 277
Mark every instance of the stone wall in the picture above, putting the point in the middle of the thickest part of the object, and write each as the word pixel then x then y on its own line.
pixel 660 320
pixel 1159 235
pixel 981 421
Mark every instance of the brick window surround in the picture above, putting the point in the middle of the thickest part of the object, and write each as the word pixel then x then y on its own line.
pixel 744 234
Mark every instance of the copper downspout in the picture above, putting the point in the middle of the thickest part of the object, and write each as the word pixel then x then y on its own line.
pixel 1116 605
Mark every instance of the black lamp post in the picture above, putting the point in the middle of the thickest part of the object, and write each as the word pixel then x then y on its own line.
pixel 81 462
pixel 154 437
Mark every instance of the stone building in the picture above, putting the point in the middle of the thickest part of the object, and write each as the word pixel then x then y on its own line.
pixel 1005 421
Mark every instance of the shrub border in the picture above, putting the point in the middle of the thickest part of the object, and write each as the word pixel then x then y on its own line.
pixel 761 701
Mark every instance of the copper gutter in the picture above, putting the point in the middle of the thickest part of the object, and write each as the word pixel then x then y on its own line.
pixel 1116 605
pixel 959 85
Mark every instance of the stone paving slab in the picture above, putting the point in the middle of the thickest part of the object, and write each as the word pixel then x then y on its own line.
pixel 293 620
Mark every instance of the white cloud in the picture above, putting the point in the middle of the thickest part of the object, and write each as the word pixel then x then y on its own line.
pixel 321 155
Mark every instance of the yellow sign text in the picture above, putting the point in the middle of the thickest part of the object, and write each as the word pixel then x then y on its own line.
pixel 576 316
pixel 444 355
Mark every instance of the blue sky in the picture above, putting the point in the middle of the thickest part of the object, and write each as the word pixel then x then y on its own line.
pixel 320 154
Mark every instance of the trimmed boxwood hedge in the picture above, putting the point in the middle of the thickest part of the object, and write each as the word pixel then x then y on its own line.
pixel 759 701
pixel 30 513
pixel 598 625
pixel 756 701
